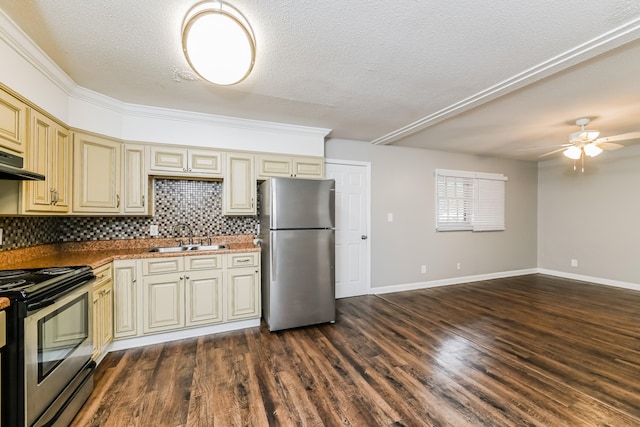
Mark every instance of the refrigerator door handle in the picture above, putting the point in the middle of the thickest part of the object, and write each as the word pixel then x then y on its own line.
pixel 272 257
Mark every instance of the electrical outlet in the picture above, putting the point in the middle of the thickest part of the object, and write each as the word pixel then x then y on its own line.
pixel 459 266
pixel 574 263
pixel 423 269
pixel 153 230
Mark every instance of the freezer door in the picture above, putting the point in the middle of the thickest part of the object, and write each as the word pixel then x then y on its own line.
pixel 302 203
pixel 301 278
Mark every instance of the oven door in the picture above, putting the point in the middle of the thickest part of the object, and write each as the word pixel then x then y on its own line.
pixel 57 346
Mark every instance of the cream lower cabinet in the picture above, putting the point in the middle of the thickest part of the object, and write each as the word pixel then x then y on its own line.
pixel 126 298
pixel 157 295
pixel 243 286
pixel 102 311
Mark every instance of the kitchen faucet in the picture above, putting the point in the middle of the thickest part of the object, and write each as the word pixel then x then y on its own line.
pixel 183 225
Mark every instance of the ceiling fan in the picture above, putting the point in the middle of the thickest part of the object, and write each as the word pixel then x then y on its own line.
pixel 585 142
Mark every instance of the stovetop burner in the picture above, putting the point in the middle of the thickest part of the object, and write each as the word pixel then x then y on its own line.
pixel 9 274
pixel 12 284
pixel 36 283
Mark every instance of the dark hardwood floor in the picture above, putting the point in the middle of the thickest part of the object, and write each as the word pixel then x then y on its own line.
pixel 525 351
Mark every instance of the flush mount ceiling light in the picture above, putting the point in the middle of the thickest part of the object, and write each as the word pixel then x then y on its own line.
pixel 218 42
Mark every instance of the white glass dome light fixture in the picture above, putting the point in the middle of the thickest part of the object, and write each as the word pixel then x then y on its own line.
pixel 218 42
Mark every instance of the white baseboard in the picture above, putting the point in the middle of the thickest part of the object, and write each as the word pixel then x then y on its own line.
pixel 591 279
pixel 123 344
pixel 450 281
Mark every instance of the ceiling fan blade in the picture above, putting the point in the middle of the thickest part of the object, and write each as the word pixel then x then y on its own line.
pixel 621 137
pixel 610 146
pixel 544 147
pixel 553 152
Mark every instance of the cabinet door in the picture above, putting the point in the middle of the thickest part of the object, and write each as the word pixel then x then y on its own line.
pixel 38 194
pixel 96 179
pixel 309 168
pixel 60 169
pixel 203 294
pixel 107 315
pixel 49 153
pixel 125 299
pixel 239 187
pixel 135 179
pixel 163 305
pixel 269 166
pixel 13 123
pixel 168 159
pixel 205 162
pixel 97 322
pixel 243 293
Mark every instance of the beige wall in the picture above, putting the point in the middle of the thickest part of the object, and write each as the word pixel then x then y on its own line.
pixel 591 217
pixel 403 184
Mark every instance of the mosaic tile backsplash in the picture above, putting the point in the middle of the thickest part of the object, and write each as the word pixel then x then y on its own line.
pixel 196 203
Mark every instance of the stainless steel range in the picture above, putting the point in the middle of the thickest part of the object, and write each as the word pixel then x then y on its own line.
pixel 47 371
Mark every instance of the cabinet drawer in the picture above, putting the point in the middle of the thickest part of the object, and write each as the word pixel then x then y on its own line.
pixel 203 262
pixel 103 274
pixel 162 265
pixel 243 260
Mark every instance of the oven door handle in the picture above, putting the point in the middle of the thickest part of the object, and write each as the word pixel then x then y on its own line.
pixel 41 304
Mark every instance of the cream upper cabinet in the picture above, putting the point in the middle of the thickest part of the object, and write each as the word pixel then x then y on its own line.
pixel 239 187
pixel 135 180
pixel 97 174
pixel 172 161
pixel 13 123
pixel 243 286
pixel 293 167
pixel 48 153
pixel 126 298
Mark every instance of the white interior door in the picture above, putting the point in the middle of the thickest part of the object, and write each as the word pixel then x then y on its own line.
pixel 352 226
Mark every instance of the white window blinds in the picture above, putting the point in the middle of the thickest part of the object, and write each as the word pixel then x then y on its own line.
pixel 469 201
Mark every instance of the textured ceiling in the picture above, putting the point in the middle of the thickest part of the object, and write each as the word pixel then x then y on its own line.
pixel 367 68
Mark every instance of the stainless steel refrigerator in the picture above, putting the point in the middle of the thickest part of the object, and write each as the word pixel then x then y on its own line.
pixel 297 223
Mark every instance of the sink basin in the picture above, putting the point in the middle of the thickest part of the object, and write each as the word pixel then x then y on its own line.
pixel 186 248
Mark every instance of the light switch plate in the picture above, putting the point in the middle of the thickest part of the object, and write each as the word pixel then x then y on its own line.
pixel 390 217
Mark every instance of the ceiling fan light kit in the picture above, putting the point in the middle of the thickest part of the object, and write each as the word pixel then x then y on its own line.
pixel 218 43
pixel 592 149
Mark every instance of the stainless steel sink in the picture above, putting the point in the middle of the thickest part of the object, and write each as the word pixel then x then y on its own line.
pixel 185 248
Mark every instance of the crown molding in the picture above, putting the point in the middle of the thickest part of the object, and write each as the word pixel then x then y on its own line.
pixel 14 37
pixel 18 40
pixel 608 41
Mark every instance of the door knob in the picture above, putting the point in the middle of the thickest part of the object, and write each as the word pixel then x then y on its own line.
pixel 363 237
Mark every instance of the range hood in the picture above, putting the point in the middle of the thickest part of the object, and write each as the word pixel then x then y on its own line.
pixel 11 169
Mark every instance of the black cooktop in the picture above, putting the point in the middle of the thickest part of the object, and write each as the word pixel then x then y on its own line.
pixel 33 283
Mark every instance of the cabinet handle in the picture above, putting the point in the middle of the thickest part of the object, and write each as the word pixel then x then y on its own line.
pixel 117 200
pixel 143 200
pixel 53 197
pixel 56 197
pixel 184 169
pixel 186 277
pixel 134 280
pixel 243 260
pixel 190 169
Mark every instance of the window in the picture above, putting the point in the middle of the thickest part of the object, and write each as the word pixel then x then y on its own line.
pixel 469 201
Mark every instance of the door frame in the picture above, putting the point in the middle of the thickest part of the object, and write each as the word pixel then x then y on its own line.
pixel 367 166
